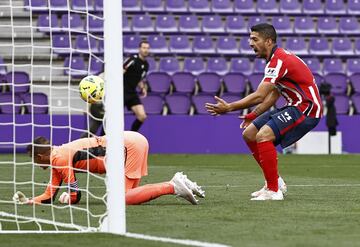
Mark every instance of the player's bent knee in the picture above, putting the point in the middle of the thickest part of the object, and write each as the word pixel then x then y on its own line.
pixel 249 134
pixel 265 134
pixel 142 117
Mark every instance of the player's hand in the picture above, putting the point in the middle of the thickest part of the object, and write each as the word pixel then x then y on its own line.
pixel 64 198
pixel 20 198
pixel 219 108
pixel 143 92
pixel 245 123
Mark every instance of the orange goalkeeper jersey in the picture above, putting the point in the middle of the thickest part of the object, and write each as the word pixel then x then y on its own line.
pixel 87 155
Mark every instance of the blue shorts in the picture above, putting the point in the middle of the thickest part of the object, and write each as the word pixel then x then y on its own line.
pixel 289 124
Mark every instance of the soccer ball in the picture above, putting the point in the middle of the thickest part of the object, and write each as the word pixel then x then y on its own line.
pixel 91 89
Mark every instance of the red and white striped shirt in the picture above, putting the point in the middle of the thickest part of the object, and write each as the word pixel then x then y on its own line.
pixel 295 82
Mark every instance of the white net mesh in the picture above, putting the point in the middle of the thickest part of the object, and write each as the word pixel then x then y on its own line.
pixel 46 47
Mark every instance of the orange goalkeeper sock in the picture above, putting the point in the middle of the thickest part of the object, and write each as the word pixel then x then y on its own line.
pixel 148 192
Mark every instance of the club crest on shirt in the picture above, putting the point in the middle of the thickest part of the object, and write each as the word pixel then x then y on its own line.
pixel 271 72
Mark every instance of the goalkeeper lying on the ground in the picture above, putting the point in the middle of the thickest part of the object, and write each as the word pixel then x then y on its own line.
pixel 87 154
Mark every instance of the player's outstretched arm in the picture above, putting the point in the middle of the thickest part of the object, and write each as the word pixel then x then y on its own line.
pixel 252 99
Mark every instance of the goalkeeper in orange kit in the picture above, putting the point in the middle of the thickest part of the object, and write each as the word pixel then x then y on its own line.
pixel 88 155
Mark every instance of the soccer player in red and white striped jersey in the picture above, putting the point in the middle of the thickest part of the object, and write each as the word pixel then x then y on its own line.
pixel 285 75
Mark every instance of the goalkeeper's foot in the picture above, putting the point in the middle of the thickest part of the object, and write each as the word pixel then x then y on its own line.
pixel 196 189
pixel 282 188
pixel 181 189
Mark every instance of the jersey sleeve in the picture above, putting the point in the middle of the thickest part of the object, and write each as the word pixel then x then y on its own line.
pixel 128 62
pixel 69 179
pixel 274 70
pixel 51 190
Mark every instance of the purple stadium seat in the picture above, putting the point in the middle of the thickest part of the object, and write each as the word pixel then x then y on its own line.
pixel 319 46
pixel 267 6
pixel 9 103
pixel 19 81
pixel 96 65
pixel 36 103
pixel 159 82
pixel 142 23
pixel 227 45
pixel 178 104
pixel 313 7
pixel 75 67
pixel 336 7
pixel 353 7
pixel 231 98
pixel 75 21
pixel 235 83
pixel 194 65
pixel 61 43
pixel 353 65
pixel 189 23
pixel 59 5
pixel 314 65
pixel 290 7
pixel 349 25
pixel 166 23
pixel 282 25
pixel 101 46
pixel 255 79
pixel 240 65
pixel 236 24
pixel 327 25
pixel 184 82
pixel 175 6
pixel 125 24
pixel 209 82
pixel 355 81
pixel 202 6
pixel 131 5
pixel 304 25
pixel 85 44
pixel 281 102
pixel 99 5
pixel 244 6
pixel 152 64
pixel 96 24
pixel 259 65
pixel 44 25
pixel 357 46
pixel 342 46
pixel 296 45
pixel 356 101
pixel 36 5
pixel 253 20
pixel 158 44
pixel 153 5
pixel 180 44
pixel 199 102
pixel 153 104
pixel 3 69
pixel 341 104
pixel 212 24
pixel 83 5
pixel 169 65
pixel 332 65
pixel 245 46
pixel 217 65
pixel 131 43
pixel 338 82
pixel 222 6
pixel 203 44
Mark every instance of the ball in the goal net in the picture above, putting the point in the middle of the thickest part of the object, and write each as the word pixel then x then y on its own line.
pixel 91 89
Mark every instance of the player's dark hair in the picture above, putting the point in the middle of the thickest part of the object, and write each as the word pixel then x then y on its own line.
pixel 265 30
pixel 143 42
pixel 40 145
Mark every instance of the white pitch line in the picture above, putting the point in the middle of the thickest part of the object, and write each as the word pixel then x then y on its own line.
pixel 187 242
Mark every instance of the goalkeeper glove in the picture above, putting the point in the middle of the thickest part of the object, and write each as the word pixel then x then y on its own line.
pixel 20 198
pixel 64 198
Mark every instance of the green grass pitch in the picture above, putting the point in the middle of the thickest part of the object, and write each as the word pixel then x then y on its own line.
pixel 322 207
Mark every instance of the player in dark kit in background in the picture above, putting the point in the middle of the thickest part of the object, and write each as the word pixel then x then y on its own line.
pixel 286 75
pixel 135 69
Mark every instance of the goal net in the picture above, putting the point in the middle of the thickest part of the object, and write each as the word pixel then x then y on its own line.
pixel 46 47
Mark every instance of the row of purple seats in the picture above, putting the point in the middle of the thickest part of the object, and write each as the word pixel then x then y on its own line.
pixel 76 67
pixel 63 44
pixel 195 24
pixel 181 104
pixel 36 103
pixel 15 81
pixel 331 7
pixel 240 25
